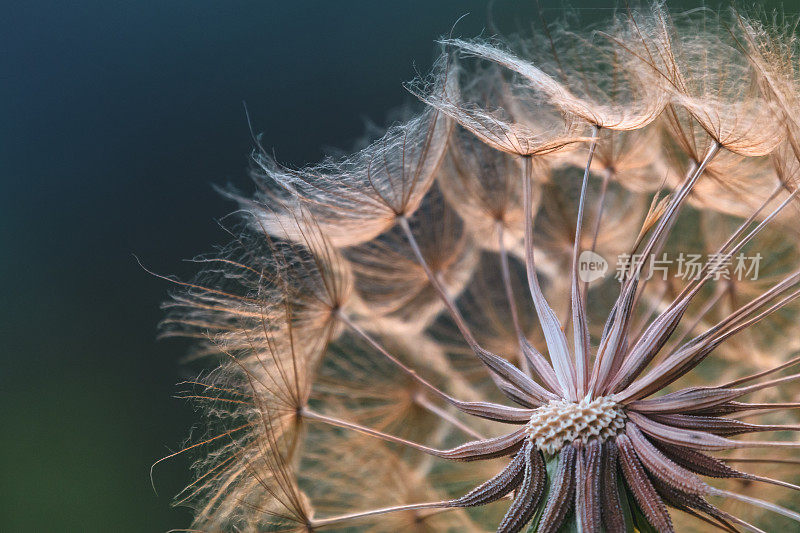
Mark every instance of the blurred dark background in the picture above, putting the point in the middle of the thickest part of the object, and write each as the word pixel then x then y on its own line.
pixel 115 120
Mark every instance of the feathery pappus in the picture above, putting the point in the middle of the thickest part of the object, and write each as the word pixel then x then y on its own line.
pixel 562 296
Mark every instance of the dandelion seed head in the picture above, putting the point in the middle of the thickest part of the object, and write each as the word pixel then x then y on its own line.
pixel 384 317
pixel 560 422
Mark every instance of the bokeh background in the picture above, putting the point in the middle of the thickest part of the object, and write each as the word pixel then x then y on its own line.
pixel 116 118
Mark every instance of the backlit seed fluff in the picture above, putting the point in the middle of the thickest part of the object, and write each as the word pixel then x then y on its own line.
pixel 505 279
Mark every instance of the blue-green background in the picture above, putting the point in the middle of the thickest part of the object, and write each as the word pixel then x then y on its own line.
pixel 115 119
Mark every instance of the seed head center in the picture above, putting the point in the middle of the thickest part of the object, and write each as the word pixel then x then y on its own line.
pixel 561 421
